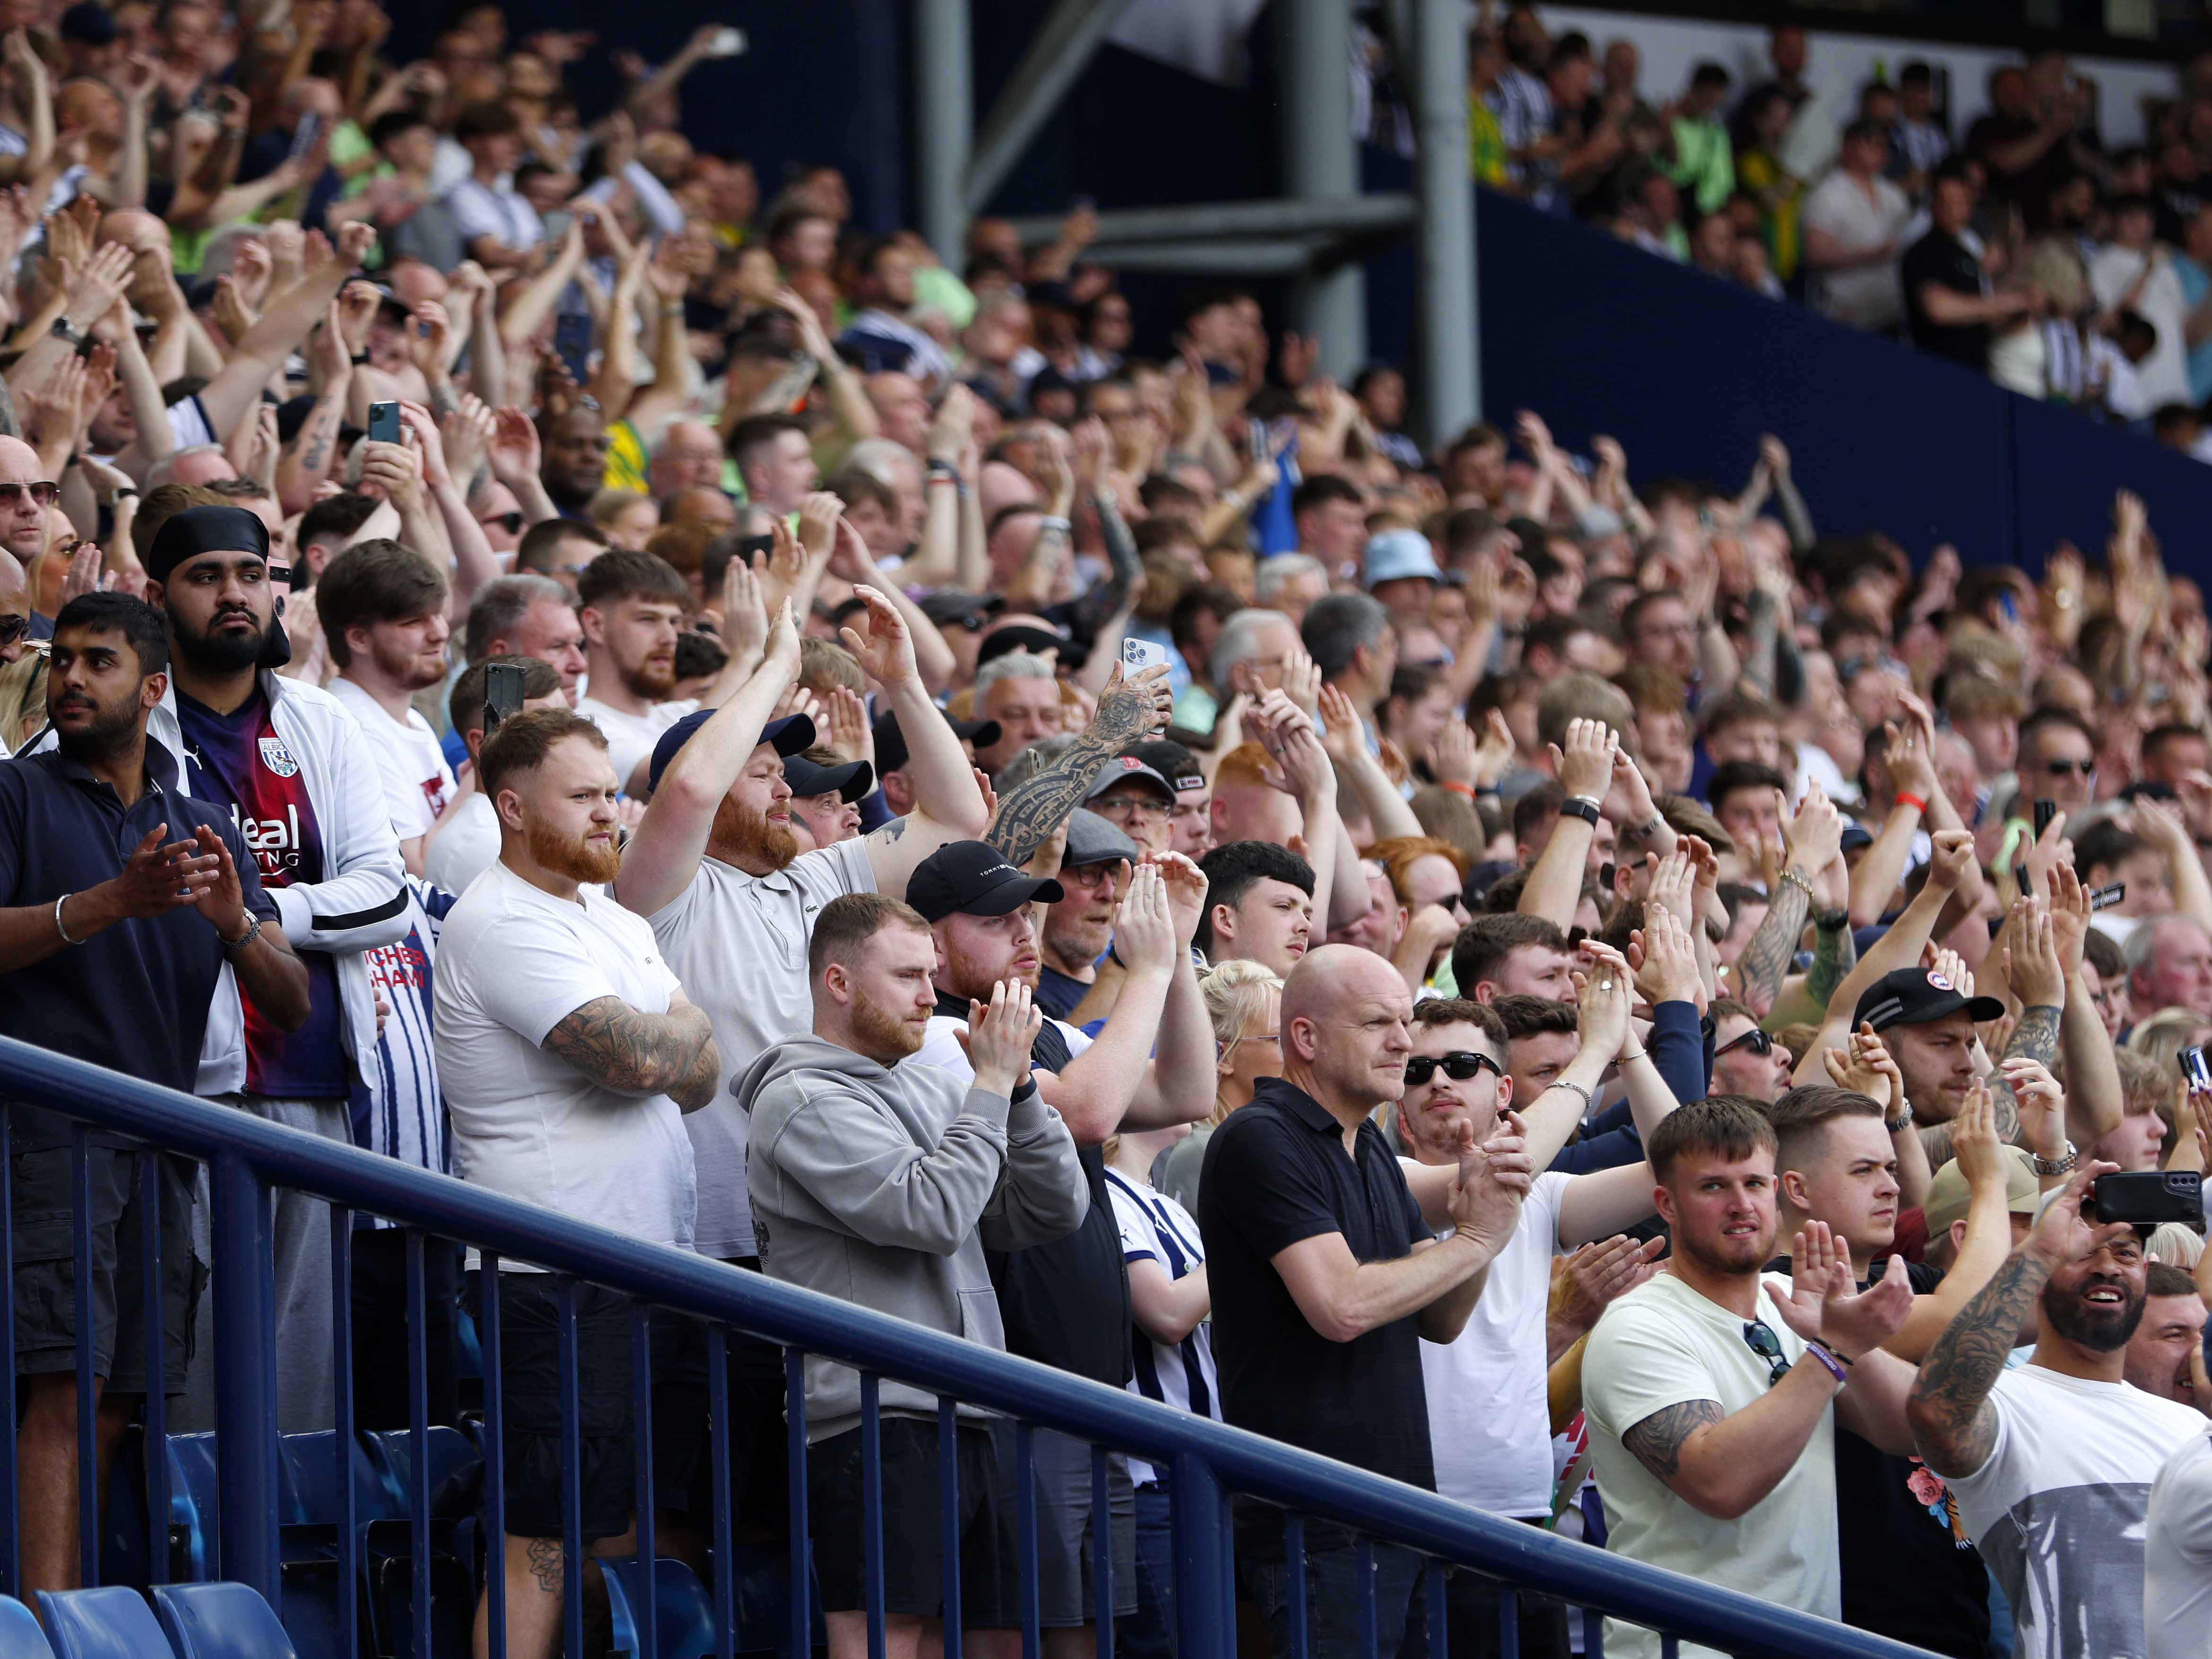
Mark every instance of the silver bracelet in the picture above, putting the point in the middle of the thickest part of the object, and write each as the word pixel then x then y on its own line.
pixel 252 932
pixel 1561 1082
pixel 58 928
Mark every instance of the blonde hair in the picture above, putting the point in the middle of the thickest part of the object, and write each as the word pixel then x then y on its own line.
pixel 1236 996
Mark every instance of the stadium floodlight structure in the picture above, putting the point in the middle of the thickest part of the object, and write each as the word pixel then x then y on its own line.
pixel 1314 236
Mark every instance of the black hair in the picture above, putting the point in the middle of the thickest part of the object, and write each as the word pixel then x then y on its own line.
pixel 1234 869
pixel 145 628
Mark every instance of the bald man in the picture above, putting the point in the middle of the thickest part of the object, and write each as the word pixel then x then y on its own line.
pixel 690 457
pixel 1327 1276
pixel 15 610
pixel 25 493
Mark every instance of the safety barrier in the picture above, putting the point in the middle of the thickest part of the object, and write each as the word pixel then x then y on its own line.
pixel 248 1159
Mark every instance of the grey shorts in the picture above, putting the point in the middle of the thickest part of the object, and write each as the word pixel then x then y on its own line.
pixel 43 1233
pixel 1066 1546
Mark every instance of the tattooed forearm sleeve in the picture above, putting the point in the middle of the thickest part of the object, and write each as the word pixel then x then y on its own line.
pixel 1953 1422
pixel 1759 971
pixel 1834 955
pixel 1033 809
pixel 697 1087
pixel 2035 1038
pixel 1656 1442
pixel 631 1053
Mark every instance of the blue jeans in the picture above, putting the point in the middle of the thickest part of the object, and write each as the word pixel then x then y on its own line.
pixel 1333 1617
pixel 1150 1633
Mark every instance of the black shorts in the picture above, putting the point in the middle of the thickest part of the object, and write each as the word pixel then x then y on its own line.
pixel 43 1195
pixel 759 1460
pixel 532 1442
pixel 912 1544
pixel 1067 1539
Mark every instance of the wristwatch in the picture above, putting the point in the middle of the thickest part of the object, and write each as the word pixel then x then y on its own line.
pixel 2056 1166
pixel 252 932
pixel 1579 806
pixel 63 331
pixel 1646 830
pixel 1900 1124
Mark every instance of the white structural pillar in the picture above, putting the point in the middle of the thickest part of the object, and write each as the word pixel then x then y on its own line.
pixel 1446 337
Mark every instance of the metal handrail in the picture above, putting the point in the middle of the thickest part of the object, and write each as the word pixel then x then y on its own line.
pixel 1243 1462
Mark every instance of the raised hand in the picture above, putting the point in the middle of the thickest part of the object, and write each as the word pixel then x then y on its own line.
pixel 846 727
pixel 744 613
pixel 1494 1178
pixel 1669 968
pixel 1602 1019
pixel 2040 1101
pixel 1598 1274
pixel 1452 757
pixel 998 1037
pixel 1865 1066
pixel 1145 926
pixel 514 448
pixel 1813 835
pixel 1951 855
pixel 1141 705
pixel 1825 1305
pixel 1585 767
pixel 886 651
pixel 2032 968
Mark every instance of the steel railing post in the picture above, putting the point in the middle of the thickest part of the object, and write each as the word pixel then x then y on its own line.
pixel 1205 1560
pixel 245 1398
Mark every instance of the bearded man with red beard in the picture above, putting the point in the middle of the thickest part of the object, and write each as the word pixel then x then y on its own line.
pixel 568 1054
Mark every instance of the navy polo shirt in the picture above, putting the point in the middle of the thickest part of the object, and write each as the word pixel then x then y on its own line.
pixel 134 997
pixel 1276 1173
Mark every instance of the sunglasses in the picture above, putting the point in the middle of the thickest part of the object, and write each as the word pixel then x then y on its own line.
pixel 12 629
pixel 510 522
pixel 1755 1040
pixel 2059 768
pixel 1459 1066
pixel 46 493
pixel 1759 1336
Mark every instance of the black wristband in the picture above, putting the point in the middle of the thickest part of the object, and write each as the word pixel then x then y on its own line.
pixel 1024 1091
pixel 1576 807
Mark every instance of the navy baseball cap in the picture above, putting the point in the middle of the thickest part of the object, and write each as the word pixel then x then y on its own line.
pixel 1171 760
pixel 890 742
pixel 972 878
pixel 851 782
pixel 1914 996
pixel 788 736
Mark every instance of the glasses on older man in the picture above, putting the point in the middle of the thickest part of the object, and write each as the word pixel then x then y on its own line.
pixel 2059 768
pixel 12 629
pixel 1135 806
pixel 45 492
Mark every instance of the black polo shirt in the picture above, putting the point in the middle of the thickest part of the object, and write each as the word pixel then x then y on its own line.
pixel 134 997
pixel 1276 1173
pixel 1942 259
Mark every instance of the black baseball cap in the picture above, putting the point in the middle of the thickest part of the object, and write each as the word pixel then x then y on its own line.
pixel 1914 996
pixel 787 736
pixel 851 781
pixel 89 24
pixel 890 742
pixel 1171 761
pixel 951 604
pixel 1021 636
pixel 972 878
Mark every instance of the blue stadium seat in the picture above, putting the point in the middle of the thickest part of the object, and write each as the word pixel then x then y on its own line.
pixel 20 1635
pixel 221 1621
pixel 682 1612
pixel 101 1624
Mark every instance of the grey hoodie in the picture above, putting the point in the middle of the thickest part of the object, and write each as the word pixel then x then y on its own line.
pixel 883 1185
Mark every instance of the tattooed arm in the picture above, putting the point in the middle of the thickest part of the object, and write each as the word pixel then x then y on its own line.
pixel 1953 1422
pixel 1129 711
pixel 1835 953
pixel 1722 1465
pixel 1765 959
pixel 634 1054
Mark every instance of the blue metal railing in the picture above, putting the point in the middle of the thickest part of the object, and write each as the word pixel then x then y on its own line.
pixel 248 1156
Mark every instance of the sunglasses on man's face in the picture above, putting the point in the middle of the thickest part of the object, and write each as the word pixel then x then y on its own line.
pixel 1459 1066
pixel 1755 1040
pixel 46 493
pixel 12 629
pixel 510 522
pixel 2059 768
pixel 1759 1336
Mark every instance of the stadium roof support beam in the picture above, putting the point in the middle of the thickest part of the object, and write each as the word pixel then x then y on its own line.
pixel 1321 161
pixel 1063 46
pixel 945 124
pixel 1248 257
pixel 1448 341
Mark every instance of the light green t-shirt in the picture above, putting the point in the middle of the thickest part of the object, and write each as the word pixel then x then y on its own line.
pixel 1662 1344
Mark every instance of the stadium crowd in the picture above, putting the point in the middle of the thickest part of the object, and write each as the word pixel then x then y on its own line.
pixel 2019 244
pixel 525 659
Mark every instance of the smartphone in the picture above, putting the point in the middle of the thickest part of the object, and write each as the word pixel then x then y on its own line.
pixel 384 423
pixel 2020 879
pixel 555 224
pixel 2146 1197
pixel 2194 1070
pixel 2044 811
pixel 304 135
pixel 1137 655
pixel 503 694
pixel 571 343
pixel 2106 897
pixel 726 43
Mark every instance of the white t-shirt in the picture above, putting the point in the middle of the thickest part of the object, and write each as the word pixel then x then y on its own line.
pixel 2059 1509
pixel 417 782
pixel 1866 295
pixel 1155 1228
pixel 513 962
pixel 1490 1424
pixel 2177 1555
pixel 2162 377
pixel 1662 1344
pixel 941 1047
pixel 630 736
pixel 738 943
pixel 466 848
